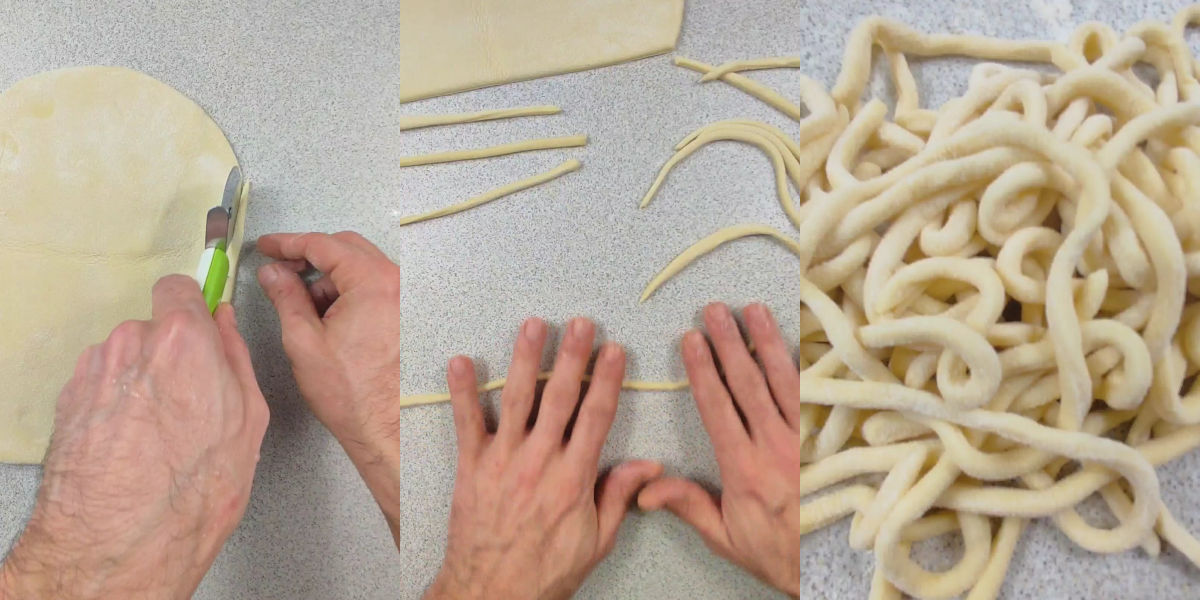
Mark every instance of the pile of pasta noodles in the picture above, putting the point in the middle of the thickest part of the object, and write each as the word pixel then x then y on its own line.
pixel 998 306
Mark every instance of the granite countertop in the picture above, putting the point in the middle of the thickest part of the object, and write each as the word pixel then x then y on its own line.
pixel 307 94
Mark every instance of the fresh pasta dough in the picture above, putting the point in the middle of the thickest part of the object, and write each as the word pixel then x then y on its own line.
pixel 1003 281
pixel 569 166
pixel 998 298
pixel 449 46
pixel 421 121
pixel 107 175
pixel 569 141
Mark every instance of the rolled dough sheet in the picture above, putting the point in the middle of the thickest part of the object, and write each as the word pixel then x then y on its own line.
pixel 105 178
pixel 449 46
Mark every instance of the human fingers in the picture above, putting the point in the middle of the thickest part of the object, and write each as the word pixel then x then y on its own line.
pixel 464 401
pixel 346 263
pixel 742 374
pixel 297 315
pixel 255 406
pixel 356 239
pixel 176 293
pixel 614 494
pixel 722 422
pixel 516 401
pixel 562 390
pixel 323 293
pixel 693 505
pixel 599 406
pixel 782 375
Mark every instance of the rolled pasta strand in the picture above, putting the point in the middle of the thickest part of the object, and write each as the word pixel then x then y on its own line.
pixel 571 141
pixel 500 192
pixel 421 121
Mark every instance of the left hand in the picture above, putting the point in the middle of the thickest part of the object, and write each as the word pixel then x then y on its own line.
pixel 156 438
pixel 759 518
pixel 529 519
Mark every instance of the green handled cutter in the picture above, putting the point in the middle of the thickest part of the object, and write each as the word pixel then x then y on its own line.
pixel 213 271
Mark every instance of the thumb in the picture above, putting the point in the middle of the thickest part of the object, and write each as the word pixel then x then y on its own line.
pixel 238 356
pixel 235 347
pixel 614 494
pixel 693 505
pixel 297 313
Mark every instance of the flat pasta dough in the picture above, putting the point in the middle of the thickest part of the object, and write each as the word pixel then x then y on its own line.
pixel 106 175
pixel 451 46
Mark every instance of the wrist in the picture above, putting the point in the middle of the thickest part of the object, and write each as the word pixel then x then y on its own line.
pixel 52 559
pixel 8 582
pixel 25 573
pixel 448 587
pixel 379 466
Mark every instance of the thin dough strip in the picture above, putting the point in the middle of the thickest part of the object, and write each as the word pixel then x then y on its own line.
pixel 495 384
pixel 571 141
pixel 500 192
pixel 420 121
pixel 735 66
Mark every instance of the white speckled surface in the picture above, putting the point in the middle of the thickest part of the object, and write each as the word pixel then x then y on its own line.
pixel 306 94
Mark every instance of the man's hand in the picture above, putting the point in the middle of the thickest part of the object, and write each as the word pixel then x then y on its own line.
pixel 528 518
pixel 342 336
pixel 755 522
pixel 156 437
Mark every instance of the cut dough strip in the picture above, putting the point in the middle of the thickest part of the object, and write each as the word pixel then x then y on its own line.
pixel 500 192
pixel 495 384
pixel 571 141
pixel 420 121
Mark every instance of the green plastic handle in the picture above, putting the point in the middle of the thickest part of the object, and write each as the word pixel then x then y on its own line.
pixel 214 284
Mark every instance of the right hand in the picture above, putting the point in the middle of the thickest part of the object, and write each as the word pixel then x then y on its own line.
pixel 342 336
pixel 156 439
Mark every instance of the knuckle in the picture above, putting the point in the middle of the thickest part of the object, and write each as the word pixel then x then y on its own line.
pixel 178 322
pixel 389 279
pixel 125 333
pixel 349 236
pixel 260 414
pixel 178 327
pixel 173 282
pixel 298 338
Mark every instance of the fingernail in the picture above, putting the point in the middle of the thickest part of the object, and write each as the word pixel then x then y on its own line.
pixel 723 317
pixel 458 365
pixel 694 344
pixel 755 313
pixel 576 327
pixel 610 352
pixel 533 329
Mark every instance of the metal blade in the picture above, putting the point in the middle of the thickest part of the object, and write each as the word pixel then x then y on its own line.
pixel 233 187
pixel 218 227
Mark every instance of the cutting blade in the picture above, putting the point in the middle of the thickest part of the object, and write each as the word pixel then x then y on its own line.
pixel 219 226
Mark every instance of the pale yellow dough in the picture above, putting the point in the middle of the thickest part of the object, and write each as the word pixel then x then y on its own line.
pixel 106 176
pixel 449 46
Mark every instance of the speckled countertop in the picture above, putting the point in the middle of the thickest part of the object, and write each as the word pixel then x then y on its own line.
pixel 307 94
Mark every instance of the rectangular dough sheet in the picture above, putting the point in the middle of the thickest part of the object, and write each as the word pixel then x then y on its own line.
pixel 449 46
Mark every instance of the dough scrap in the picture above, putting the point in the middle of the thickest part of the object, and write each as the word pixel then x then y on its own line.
pixel 449 46
pixel 106 175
